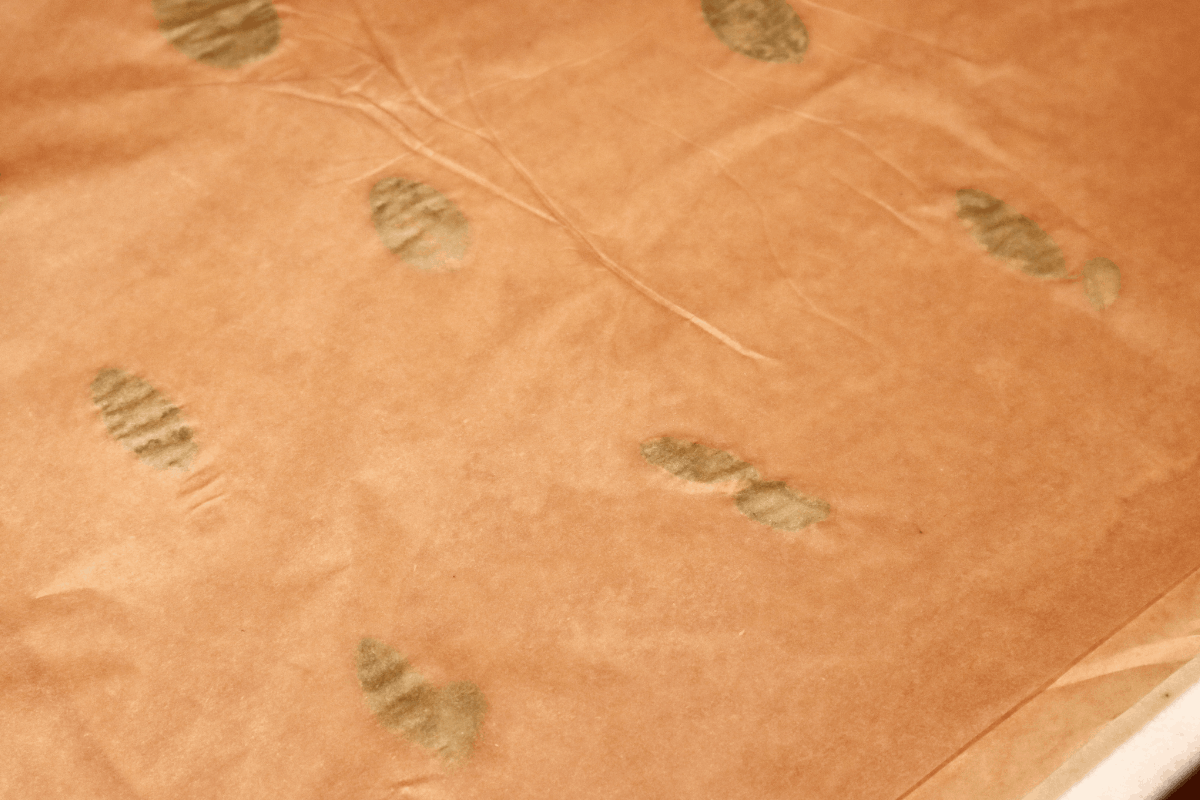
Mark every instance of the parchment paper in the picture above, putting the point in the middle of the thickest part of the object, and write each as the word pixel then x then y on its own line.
pixel 632 229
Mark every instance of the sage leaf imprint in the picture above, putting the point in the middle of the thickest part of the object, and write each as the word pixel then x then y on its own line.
pixel 220 33
pixel 1009 235
pixel 445 720
pixel 696 462
pixel 140 418
pixel 768 30
pixel 1101 282
pixel 771 503
pixel 419 223
pixel 774 503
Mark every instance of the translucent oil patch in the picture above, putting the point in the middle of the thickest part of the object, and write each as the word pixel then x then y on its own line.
pixel 445 720
pixel 220 33
pixel 773 503
pixel 768 502
pixel 418 223
pixel 140 418
pixel 695 462
pixel 769 30
pixel 1101 282
pixel 1009 235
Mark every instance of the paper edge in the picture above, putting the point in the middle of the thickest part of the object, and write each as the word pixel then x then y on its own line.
pixel 1135 721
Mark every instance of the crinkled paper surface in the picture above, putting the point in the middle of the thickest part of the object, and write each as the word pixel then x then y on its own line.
pixel 419 280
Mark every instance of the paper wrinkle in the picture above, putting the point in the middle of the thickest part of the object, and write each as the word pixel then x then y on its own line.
pixel 129 565
pixel 94 745
pixel 1168 651
pixel 489 136
pixel 383 58
pixel 579 62
pixel 1156 467
pixel 809 99
pixel 552 212
pixel 663 231
pixel 881 26
pixel 609 263
pixel 59 691
pixel 725 147
pixel 378 111
pixel 926 107
pixel 387 121
pixel 832 125
pixel 489 87
pixel 899 216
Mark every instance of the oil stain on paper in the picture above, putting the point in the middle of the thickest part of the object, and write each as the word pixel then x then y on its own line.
pixel 418 223
pixel 693 461
pixel 1016 239
pixel 140 418
pixel 1009 235
pixel 1101 282
pixel 768 30
pixel 773 503
pixel 444 720
pixel 219 33
pixel 770 503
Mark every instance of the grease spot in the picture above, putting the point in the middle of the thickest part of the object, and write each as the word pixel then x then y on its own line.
pixel 773 503
pixel 769 30
pixel 220 33
pixel 769 502
pixel 444 720
pixel 1101 282
pixel 1009 235
pixel 695 462
pixel 143 420
pixel 419 223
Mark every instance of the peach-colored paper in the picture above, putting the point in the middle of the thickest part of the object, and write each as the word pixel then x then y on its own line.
pixel 419 281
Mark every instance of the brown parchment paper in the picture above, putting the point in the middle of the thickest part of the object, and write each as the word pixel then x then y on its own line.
pixel 663 237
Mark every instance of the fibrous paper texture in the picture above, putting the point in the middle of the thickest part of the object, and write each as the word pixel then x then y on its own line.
pixel 566 399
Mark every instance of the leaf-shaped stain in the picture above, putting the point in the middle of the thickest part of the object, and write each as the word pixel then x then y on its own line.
pixel 695 462
pixel 418 223
pixel 768 30
pixel 220 33
pixel 1101 282
pixel 1009 235
pixel 773 503
pixel 140 418
pixel 444 720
